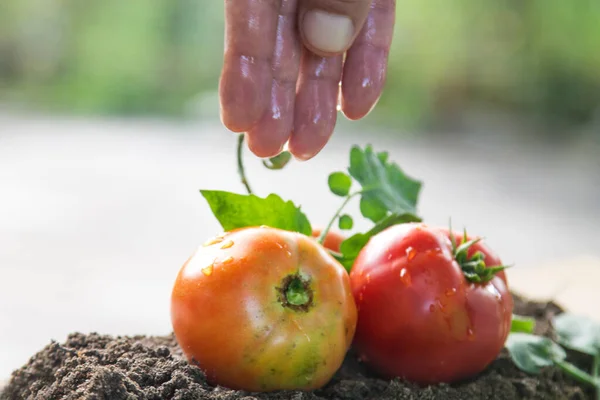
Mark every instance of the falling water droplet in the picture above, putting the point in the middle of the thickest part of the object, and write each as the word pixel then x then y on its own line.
pixel 227 244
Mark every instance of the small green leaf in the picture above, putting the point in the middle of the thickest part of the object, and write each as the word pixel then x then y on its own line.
pixel 279 161
pixel 346 222
pixel 238 211
pixel 578 333
pixel 522 324
pixel 383 183
pixel 372 209
pixel 339 183
pixel 351 247
pixel 532 353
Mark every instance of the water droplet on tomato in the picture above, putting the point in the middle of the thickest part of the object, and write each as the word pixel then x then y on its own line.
pixel 227 260
pixel 441 305
pixel 227 244
pixel 389 256
pixel 470 334
pixel 410 253
pixel 208 270
pixel 450 292
pixel 212 241
pixel 368 277
pixel 288 253
pixel 431 308
pixel 405 276
pixel 279 245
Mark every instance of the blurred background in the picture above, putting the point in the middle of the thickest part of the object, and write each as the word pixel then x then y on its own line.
pixel 109 125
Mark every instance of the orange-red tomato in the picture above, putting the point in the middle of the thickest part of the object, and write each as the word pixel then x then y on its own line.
pixel 333 239
pixel 419 318
pixel 262 309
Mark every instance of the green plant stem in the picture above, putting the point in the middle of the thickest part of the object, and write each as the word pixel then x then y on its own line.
pixel 596 372
pixel 323 234
pixel 240 163
pixel 579 375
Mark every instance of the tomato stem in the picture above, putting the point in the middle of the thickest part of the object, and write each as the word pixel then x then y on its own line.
pixel 295 293
pixel 596 372
pixel 474 267
pixel 325 231
pixel 240 163
pixel 579 375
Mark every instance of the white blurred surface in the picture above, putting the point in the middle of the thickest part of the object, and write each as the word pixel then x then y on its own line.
pixel 97 216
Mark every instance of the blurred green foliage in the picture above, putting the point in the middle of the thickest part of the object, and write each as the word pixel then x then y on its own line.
pixel 537 58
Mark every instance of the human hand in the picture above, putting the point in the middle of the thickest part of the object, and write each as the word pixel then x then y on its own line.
pixel 283 64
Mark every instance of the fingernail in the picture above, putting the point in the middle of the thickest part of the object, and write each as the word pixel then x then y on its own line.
pixel 330 33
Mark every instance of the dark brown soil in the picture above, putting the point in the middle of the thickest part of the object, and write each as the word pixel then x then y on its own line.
pixel 97 367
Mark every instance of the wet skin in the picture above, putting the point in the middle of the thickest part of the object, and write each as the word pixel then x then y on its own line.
pixel 275 89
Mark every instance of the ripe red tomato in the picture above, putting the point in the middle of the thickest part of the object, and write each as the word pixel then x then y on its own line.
pixel 333 239
pixel 419 318
pixel 263 309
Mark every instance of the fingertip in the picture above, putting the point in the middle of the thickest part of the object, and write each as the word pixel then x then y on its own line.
pixel 243 92
pixel 263 147
pixel 326 34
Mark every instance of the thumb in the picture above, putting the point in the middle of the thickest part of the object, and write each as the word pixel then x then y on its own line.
pixel 328 27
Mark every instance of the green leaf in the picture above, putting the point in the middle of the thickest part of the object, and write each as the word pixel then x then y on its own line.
pixel 384 184
pixel 279 161
pixel 351 247
pixel 234 211
pixel 532 353
pixel 372 209
pixel 346 222
pixel 578 333
pixel 522 324
pixel 339 183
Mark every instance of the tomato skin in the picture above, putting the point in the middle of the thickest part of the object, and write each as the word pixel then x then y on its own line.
pixel 333 239
pixel 418 316
pixel 229 319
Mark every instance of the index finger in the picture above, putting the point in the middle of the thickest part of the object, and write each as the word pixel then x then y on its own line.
pixel 244 88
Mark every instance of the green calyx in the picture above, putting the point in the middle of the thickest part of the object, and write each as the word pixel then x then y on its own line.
pixel 474 267
pixel 295 293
